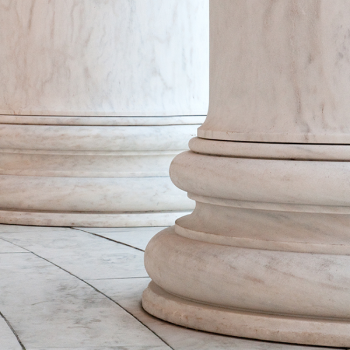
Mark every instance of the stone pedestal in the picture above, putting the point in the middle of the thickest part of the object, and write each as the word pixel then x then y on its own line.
pixel 266 252
pixel 96 99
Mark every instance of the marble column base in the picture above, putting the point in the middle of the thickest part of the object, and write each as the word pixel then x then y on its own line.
pixel 266 252
pixel 91 175
pixel 207 281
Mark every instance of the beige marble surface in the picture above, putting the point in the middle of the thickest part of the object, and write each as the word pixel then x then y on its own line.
pixel 104 58
pixel 283 75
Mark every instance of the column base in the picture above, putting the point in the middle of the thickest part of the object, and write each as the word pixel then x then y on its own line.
pixel 91 175
pixel 89 219
pixel 240 323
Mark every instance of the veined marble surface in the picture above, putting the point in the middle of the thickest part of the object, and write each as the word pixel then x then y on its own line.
pixel 65 289
pixel 279 71
pixel 104 57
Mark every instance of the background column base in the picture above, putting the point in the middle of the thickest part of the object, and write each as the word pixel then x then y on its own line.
pixel 89 219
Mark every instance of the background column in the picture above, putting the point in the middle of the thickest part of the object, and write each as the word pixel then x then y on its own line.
pixel 96 98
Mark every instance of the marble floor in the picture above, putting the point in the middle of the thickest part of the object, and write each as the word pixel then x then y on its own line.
pixel 80 289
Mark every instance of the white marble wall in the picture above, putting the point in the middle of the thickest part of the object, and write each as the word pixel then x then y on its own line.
pixel 104 57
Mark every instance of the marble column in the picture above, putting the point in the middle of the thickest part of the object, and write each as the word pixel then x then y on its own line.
pixel 96 99
pixel 266 252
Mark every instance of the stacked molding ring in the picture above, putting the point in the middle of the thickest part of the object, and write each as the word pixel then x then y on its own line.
pixel 259 261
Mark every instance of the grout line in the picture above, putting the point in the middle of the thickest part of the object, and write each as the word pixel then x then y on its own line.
pixel 115 278
pixel 108 239
pixel 13 331
pixel 11 252
pixel 93 287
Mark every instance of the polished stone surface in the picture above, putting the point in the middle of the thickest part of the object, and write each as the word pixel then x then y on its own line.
pixel 61 294
pixel 282 74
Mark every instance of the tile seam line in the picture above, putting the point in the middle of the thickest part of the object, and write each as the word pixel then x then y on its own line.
pixel 108 239
pixel 13 331
pixel 90 285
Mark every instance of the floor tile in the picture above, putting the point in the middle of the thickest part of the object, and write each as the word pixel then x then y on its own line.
pixel 51 309
pixel 20 229
pixel 6 247
pixel 8 340
pixel 134 236
pixel 64 313
pixel 81 253
pixel 128 294
pixel 105 348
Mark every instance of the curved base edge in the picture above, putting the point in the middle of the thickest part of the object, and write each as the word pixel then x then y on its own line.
pixel 161 304
pixel 87 219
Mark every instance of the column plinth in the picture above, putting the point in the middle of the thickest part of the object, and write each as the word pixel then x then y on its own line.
pixel 266 252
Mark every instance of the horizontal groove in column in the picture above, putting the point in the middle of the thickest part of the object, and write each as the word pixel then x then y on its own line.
pixel 292 151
